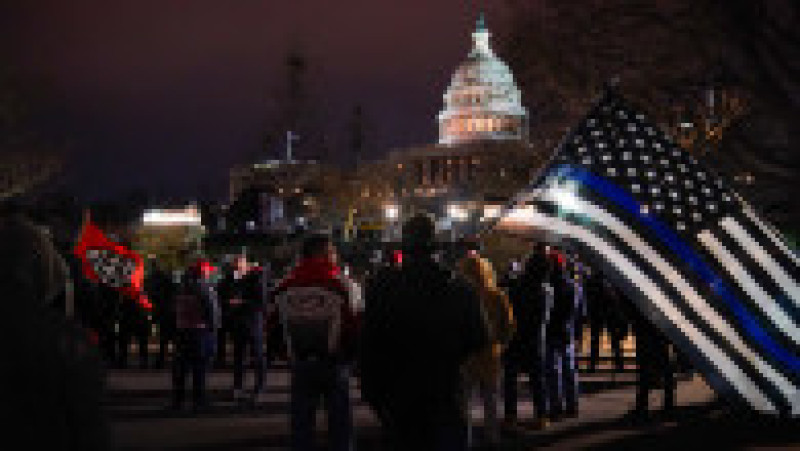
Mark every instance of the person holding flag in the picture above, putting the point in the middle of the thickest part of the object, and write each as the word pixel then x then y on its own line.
pixel 696 260
pixel 119 273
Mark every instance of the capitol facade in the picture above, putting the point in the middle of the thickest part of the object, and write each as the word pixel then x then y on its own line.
pixel 483 155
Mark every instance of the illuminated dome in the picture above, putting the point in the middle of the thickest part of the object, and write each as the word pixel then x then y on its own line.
pixel 482 101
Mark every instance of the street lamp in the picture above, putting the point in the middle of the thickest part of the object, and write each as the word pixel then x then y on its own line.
pixel 392 213
pixel 456 213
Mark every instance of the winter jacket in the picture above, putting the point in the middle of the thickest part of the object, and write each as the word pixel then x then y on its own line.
pixel 197 306
pixel 316 312
pixel 51 386
pixel 484 365
pixel 249 289
pixel 420 324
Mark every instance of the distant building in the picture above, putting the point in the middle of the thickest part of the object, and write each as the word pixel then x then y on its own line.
pixel 482 101
pixel 483 155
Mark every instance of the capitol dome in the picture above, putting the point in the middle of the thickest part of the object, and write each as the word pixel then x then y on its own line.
pixel 482 101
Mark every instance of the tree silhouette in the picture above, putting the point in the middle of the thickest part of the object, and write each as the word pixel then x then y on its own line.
pixel 668 56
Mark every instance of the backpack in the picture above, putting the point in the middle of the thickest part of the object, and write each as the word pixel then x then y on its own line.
pixel 312 321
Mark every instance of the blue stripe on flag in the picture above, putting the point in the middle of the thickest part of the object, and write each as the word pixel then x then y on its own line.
pixel 623 200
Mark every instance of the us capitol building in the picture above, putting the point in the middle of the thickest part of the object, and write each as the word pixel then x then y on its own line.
pixel 483 156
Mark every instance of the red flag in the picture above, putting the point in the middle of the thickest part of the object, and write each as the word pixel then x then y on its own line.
pixel 113 264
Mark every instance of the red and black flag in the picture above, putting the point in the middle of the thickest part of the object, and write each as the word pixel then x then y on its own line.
pixel 110 263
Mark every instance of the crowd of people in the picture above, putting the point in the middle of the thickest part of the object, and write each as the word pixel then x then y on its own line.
pixel 421 337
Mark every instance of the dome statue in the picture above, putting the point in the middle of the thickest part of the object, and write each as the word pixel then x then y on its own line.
pixel 482 101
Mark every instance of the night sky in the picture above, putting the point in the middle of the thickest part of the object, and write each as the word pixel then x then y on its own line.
pixel 165 95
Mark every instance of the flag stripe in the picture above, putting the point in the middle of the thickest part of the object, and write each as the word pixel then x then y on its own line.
pixel 777 254
pixel 766 230
pixel 749 285
pixel 757 273
pixel 728 370
pixel 777 273
pixel 685 297
pixel 754 330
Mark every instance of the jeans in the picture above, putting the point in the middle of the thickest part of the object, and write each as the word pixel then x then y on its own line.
pixel 311 381
pixel 249 339
pixel 561 376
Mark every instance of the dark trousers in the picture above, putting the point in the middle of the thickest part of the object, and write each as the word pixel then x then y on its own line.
pixel 534 369
pixel 107 341
pixel 561 376
pixel 222 346
pixel 165 337
pixel 655 365
pixel 249 339
pixel 312 381
pixel 190 355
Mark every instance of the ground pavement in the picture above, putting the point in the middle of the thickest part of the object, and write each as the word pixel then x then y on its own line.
pixel 137 400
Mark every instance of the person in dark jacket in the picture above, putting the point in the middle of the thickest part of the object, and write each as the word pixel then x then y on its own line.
pixel 134 326
pixel 420 324
pixel 196 320
pixel 532 302
pixel 319 320
pixel 655 363
pixel 52 382
pixel 618 321
pixel 561 374
pixel 161 290
pixel 224 331
pixel 109 305
pixel 597 305
pixel 243 293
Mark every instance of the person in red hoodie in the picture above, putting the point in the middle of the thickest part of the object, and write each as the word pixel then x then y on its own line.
pixel 320 326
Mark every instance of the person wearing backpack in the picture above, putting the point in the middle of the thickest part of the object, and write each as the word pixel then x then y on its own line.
pixel 196 321
pixel 482 369
pixel 316 312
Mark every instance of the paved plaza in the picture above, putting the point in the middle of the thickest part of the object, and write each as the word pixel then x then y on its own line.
pixel 137 403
